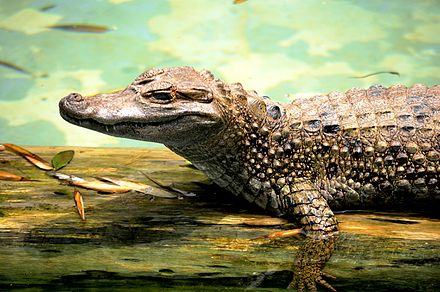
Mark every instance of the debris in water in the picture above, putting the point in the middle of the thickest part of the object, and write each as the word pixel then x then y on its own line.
pixel 139 187
pixel 100 186
pixel 77 197
pixel 91 185
pixel 29 156
pixel 283 233
pixel 267 221
pixel 4 175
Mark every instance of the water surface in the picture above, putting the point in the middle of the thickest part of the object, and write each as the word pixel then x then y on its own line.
pixel 277 47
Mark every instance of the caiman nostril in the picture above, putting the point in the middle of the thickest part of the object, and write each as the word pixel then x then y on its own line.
pixel 75 97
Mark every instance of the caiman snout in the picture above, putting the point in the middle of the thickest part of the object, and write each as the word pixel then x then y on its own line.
pixel 71 99
pixel 106 108
pixel 71 104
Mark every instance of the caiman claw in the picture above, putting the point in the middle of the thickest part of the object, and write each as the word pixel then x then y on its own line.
pixel 307 279
pixel 310 260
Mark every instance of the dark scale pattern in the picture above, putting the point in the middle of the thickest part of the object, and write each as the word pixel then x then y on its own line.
pixel 374 158
pixel 374 148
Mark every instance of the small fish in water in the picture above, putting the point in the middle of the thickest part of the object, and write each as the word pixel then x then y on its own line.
pixel 47 7
pixel 14 67
pixel 170 188
pixel 377 73
pixel 239 1
pixel 396 221
pixel 81 28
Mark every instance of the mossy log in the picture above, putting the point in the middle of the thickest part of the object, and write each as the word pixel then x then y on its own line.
pixel 206 242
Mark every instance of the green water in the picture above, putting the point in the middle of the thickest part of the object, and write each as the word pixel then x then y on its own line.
pixel 276 47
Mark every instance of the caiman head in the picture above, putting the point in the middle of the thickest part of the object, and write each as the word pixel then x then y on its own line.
pixel 174 106
pixel 217 126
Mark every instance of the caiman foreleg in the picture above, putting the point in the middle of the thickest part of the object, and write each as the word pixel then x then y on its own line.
pixel 311 211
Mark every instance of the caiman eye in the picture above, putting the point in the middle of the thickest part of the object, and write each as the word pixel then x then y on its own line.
pixel 160 97
pixel 143 81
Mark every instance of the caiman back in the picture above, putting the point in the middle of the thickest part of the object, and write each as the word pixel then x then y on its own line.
pixel 378 147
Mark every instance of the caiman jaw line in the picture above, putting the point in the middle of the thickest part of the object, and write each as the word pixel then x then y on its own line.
pixel 95 125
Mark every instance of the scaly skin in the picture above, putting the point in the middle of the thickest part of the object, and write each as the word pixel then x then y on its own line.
pixel 374 148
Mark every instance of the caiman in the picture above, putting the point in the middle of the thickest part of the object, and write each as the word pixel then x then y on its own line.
pixel 375 148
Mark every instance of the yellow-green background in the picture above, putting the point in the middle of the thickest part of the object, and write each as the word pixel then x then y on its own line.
pixel 277 47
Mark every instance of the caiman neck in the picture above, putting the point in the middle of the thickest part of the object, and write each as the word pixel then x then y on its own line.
pixel 226 156
pixel 233 106
pixel 215 154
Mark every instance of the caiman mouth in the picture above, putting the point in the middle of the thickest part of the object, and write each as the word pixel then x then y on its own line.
pixel 138 129
pixel 113 128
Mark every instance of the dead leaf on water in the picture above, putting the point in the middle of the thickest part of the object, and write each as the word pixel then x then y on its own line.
pixel 269 221
pixel 140 187
pixel 77 197
pixel 100 186
pixel 283 233
pixel 29 156
pixel 39 162
pixel 4 175
pixel 64 177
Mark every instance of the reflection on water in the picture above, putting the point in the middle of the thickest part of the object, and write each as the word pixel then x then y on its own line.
pixel 50 49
